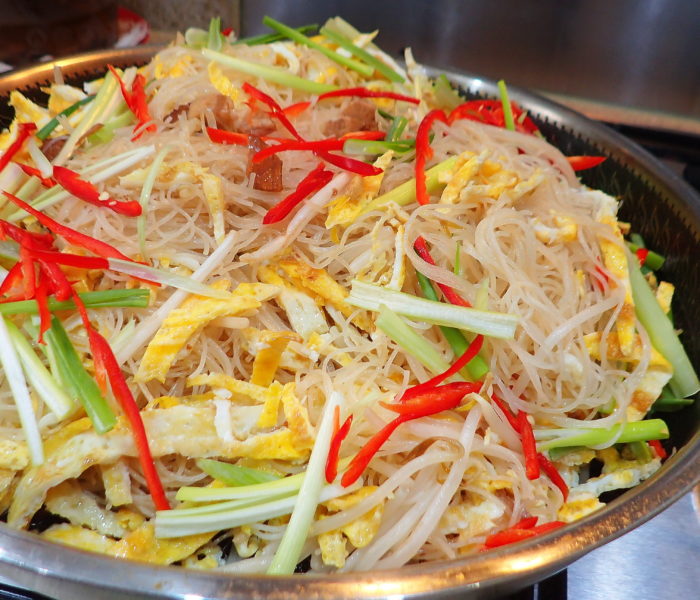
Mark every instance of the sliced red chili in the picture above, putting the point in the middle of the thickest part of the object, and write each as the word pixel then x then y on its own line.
pixel 71 260
pixel 232 138
pixel 24 132
pixel 296 145
pixel 434 400
pixel 525 523
pixel 350 164
pixel 28 273
pixel 71 235
pixel 659 449
pixel 506 412
pixel 103 355
pixel 421 248
pixel 551 471
pixel 58 281
pixel 424 152
pixel 47 182
pixel 313 182
pixel 136 101
pixel 527 438
pixel 642 254
pixel 491 113
pixel 473 349
pixel 340 432
pixel 275 109
pixel 12 283
pixel 581 163
pixel 604 276
pixel 84 190
pixel 296 109
pixel 43 305
pixel 363 135
pixel 23 237
pixel 360 92
pixel 512 535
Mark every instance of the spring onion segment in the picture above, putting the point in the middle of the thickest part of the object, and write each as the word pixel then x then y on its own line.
pixel 637 431
pixel 507 108
pixel 663 337
pixel 234 474
pixel 493 324
pixel 273 74
pixel 279 486
pixel 146 196
pixel 13 372
pixel 136 298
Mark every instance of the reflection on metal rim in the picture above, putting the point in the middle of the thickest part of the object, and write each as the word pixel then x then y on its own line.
pixel 24 556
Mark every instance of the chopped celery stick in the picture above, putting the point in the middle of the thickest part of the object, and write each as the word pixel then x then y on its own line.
pixel 266 38
pixel 12 370
pixel 80 384
pixel 663 337
pixel 361 68
pixel 352 146
pixel 372 297
pixel 507 108
pixel 477 367
pixel 234 474
pixel 289 551
pixel 638 431
pixel 668 402
pixel 273 74
pixel 137 298
pixel 396 130
pixel 47 129
pixel 214 37
pixel 406 192
pixel 39 377
pixel 446 96
pixel 280 486
pixel 411 342
pixel 346 44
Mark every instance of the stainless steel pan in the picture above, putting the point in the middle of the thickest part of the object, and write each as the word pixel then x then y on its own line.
pixel 660 206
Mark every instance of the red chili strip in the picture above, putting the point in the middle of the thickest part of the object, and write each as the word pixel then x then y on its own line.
pixel 86 191
pixel 296 109
pixel 642 254
pixel 47 182
pixel 527 438
pixel 659 449
pixel 339 434
pixel 605 279
pixel 512 535
pixel 28 273
pixel 506 412
pixel 233 138
pixel 71 260
pixel 363 135
pixel 473 349
pixel 41 295
pixel 491 113
pixel 58 283
pixel 70 235
pixel 581 163
pixel 13 281
pixel 313 182
pixel 24 237
pixel 276 109
pixel 24 132
pixel 318 145
pixel 551 471
pixel 136 101
pixel 525 523
pixel 102 354
pixel 360 92
pixel 421 248
pixel 350 164
pixel 434 400
pixel 424 152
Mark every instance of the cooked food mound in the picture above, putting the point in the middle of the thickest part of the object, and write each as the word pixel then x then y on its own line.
pixel 284 300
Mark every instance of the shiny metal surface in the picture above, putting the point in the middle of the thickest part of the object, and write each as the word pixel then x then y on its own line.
pixel 626 52
pixel 67 573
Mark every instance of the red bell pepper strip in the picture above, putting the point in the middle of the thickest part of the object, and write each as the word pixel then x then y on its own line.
pixel 424 152
pixel 434 400
pixel 86 191
pixel 296 145
pixel 339 434
pixel 24 132
pixel 581 163
pixel 551 471
pixel 70 235
pixel 512 535
pixel 473 349
pixel 527 438
pixel 506 412
pixel 103 355
pixel 313 182
pixel 296 109
pixel 360 92
pixel 659 449
pixel 136 101
pixel 421 248
pixel 642 254
pixel 47 182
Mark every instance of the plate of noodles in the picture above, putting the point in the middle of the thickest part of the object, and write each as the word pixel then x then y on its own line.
pixel 286 305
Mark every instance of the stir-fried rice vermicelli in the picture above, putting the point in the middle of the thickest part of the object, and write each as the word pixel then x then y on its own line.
pixel 252 377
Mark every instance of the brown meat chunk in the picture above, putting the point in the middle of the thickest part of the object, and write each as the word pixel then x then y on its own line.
pixel 230 119
pixel 268 173
pixel 52 146
pixel 176 113
pixel 358 115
